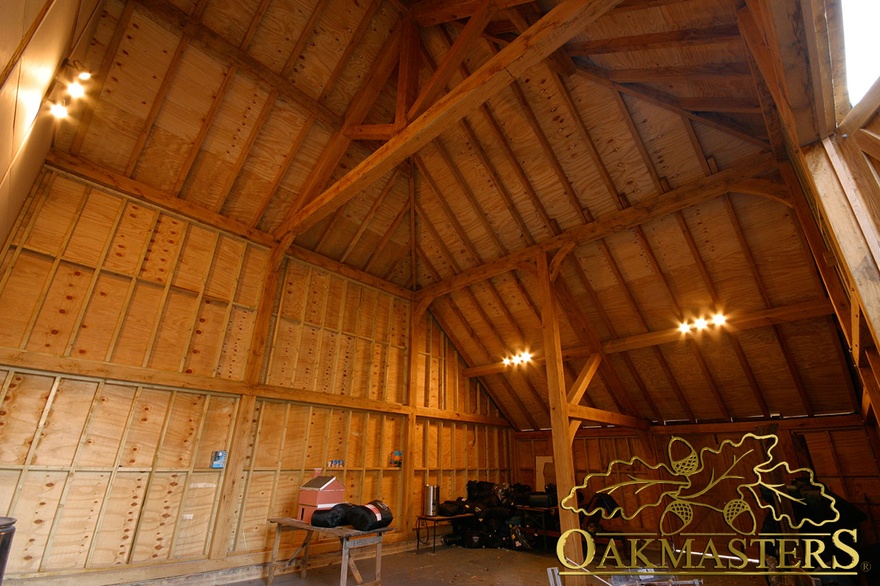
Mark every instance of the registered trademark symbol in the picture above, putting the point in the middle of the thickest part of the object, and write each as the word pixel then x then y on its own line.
pixel 866 566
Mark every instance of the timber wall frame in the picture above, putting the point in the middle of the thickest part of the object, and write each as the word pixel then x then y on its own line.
pixel 123 366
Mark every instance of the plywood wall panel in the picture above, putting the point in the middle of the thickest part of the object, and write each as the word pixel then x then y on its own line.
pixel 65 423
pixel 107 424
pixel 367 314
pixel 145 431
pixel 294 451
pixel 307 358
pixel 362 367
pixel 287 490
pixel 316 450
pixel 173 334
pixel 345 365
pixel 207 337
pixel 38 498
pixel 337 437
pixel 22 409
pixel 250 284
pixel 132 236
pixel 357 439
pixel 225 272
pixel 77 520
pixel 158 518
pixel 293 297
pixel 240 108
pixel 177 125
pixel 236 344
pixel 94 228
pixel 216 430
pixel 396 389
pixel 53 223
pixel 196 516
pixel 114 538
pixel 135 336
pixel 373 448
pixel 104 310
pixel 326 363
pixel 316 297
pixel 254 528
pixel 20 297
pixel 195 258
pixel 184 422
pixel 61 309
pixel 8 482
pixel 284 349
pixel 163 250
pixel 270 434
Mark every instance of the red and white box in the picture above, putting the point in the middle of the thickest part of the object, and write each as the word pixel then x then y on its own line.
pixel 319 493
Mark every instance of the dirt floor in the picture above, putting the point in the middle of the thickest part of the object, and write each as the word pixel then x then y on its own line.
pixel 457 565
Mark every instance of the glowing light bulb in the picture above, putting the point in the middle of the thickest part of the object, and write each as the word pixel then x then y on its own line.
pixel 58 110
pixel 506 362
pixel 684 328
pixel 84 75
pixel 76 89
pixel 517 359
pixel 526 356
pixel 700 323
pixel 719 319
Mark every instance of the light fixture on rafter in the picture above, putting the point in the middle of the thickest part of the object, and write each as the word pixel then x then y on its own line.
pixel 701 323
pixel 517 359
pixel 75 89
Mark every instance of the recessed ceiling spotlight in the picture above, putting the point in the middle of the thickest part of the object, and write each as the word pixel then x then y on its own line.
pixel 718 319
pixel 700 323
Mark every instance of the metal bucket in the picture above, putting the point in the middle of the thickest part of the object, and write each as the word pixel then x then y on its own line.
pixel 432 500
pixel 7 530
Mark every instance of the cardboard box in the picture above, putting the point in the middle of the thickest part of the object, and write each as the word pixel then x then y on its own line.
pixel 319 493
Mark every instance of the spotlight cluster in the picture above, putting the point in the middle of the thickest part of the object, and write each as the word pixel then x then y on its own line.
pixel 75 91
pixel 520 358
pixel 702 323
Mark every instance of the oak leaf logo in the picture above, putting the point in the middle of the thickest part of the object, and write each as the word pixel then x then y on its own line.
pixel 735 479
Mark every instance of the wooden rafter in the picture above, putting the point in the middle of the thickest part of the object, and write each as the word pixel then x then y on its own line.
pixel 762 318
pixel 231 55
pixel 554 29
pixel 708 72
pixel 358 109
pixel 101 76
pixel 156 106
pixel 675 38
pixel 371 213
pixel 434 12
pixel 669 102
pixel 207 122
pixel 97 174
pixel 645 210
pixel 456 54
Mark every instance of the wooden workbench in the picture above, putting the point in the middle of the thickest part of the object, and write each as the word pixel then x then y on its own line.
pixel 348 537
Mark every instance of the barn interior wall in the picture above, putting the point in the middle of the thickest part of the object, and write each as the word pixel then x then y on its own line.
pixel 122 364
pixel 35 37
pixel 841 455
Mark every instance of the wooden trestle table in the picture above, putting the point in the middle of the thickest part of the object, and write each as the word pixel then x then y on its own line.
pixel 348 537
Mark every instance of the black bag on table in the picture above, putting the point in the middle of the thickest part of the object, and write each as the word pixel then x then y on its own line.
pixel 373 515
pixel 450 508
pixel 332 517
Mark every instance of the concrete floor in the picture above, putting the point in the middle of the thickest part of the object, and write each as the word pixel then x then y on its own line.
pixel 457 565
